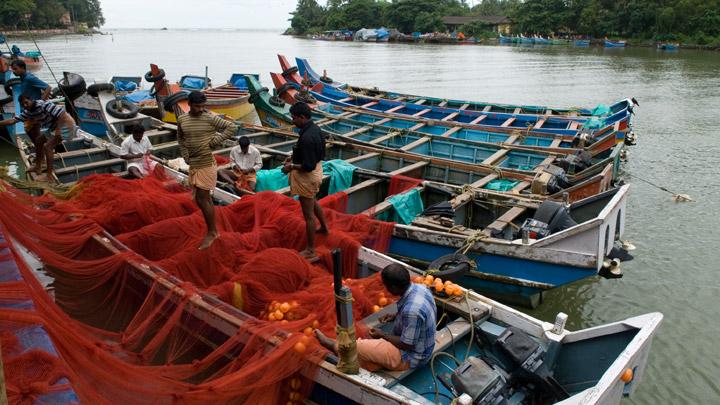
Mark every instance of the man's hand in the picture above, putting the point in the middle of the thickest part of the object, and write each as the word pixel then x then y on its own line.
pixel 376 333
pixel 287 167
pixel 387 318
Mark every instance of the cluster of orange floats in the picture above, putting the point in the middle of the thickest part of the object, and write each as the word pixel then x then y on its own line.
pixel 448 287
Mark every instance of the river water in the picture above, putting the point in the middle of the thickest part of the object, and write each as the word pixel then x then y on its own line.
pixel 676 266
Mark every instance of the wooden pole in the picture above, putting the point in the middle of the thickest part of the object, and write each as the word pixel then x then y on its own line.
pixel 3 394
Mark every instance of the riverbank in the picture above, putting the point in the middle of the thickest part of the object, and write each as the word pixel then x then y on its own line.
pixel 47 32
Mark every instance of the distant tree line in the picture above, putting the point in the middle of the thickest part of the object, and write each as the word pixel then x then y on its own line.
pixel 696 21
pixel 47 13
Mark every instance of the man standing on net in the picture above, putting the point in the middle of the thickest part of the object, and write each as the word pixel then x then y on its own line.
pixel 304 169
pixel 412 340
pixel 197 134
pixel 246 161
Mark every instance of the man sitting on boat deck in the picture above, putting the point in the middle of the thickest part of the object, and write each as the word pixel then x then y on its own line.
pixel 246 161
pixel 196 136
pixel 136 150
pixel 36 89
pixel 47 119
pixel 304 169
pixel 412 340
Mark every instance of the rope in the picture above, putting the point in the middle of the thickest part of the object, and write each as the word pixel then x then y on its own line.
pixel 344 300
pixel 60 191
pixel 471 241
pixel 675 196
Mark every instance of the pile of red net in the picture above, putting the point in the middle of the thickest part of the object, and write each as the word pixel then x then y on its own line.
pixel 121 340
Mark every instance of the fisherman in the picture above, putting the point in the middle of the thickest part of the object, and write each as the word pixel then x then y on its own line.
pixel 196 136
pixel 36 89
pixel 48 118
pixel 412 340
pixel 304 169
pixel 246 162
pixel 136 150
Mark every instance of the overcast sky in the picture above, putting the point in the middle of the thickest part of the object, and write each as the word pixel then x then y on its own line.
pixel 197 13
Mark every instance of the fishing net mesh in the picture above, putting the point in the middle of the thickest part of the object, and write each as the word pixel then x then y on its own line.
pixel 127 331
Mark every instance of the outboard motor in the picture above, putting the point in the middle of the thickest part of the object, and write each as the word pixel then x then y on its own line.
pixel 552 180
pixel 575 163
pixel 479 380
pixel 583 139
pixel 529 359
pixel 549 218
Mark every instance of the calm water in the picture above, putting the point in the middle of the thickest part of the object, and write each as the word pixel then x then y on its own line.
pixel 677 261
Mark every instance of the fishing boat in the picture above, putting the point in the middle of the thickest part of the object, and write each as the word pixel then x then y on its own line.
pixel 559 41
pixel 9 102
pixel 504 40
pixel 425 137
pixel 31 344
pixel 408 115
pixel 668 47
pixel 538 40
pixel 615 44
pixel 31 58
pixel 582 42
pixel 303 71
pixel 597 365
pixel 527 40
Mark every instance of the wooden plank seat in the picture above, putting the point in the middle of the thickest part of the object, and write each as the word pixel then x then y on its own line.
pixel 89 166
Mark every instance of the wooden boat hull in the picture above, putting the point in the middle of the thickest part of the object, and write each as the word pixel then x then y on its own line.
pixel 305 70
pixel 587 363
pixel 11 108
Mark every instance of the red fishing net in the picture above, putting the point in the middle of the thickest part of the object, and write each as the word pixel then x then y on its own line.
pixel 128 332
pixel 400 184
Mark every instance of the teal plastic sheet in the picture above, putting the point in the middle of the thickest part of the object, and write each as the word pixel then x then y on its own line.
pixel 341 174
pixel 594 123
pixel 271 180
pixel 407 206
pixel 501 185
pixel 600 110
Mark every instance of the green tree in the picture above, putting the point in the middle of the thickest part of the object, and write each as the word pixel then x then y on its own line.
pixel 47 14
pixel 85 11
pixel 428 22
pixel 308 15
pixel 12 12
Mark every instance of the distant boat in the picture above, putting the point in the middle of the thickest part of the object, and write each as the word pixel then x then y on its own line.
pixel 668 47
pixel 163 29
pixel 541 41
pixel 615 44
pixel 555 41
pixel 582 42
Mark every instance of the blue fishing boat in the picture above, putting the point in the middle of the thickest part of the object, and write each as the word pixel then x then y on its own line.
pixel 582 42
pixel 538 40
pixel 505 40
pixel 668 47
pixel 9 103
pixel 32 340
pixel 527 40
pixel 615 44
pixel 304 72
pixel 619 114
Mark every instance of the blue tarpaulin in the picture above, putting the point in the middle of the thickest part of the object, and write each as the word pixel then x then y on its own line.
pixel 192 83
pixel 122 85
pixel 271 180
pixel 407 206
pixel 138 96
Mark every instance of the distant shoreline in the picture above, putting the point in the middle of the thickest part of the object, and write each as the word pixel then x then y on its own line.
pixel 46 32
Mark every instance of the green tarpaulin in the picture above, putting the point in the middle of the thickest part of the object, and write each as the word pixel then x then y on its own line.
pixel 407 206
pixel 501 185
pixel 341 174
pixel 271 180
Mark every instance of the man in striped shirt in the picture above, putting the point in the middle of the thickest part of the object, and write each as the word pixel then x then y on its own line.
pixel 48 117
pixel 197 134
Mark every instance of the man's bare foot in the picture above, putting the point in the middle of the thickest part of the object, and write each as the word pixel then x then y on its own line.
pixel 308 254
pixel 35 169
pixel 322 230
pixel 207 241
pixel 325 341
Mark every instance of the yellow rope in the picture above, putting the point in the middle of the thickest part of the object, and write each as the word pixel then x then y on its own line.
pixel 59 191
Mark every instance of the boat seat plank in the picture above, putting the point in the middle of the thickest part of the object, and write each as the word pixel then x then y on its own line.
pixel 574 125
pixel 496 157
pixel 397 107
pixel 548 112
pixel 421 113
pixel 517 110
pixel 465 197
pixel 370 104
pixel 487 108
pixel 450 131
pixel 501 222
pixel 478 119
pixel 450 116
pixel 89 166
pixel 452 332
pixel 346 99
pixel 420 102
pixel 417 126
pixel 511 139
pixel 413 145
pixel 539 123
pixel 443 103
pixel 508 122
pixel 556 143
